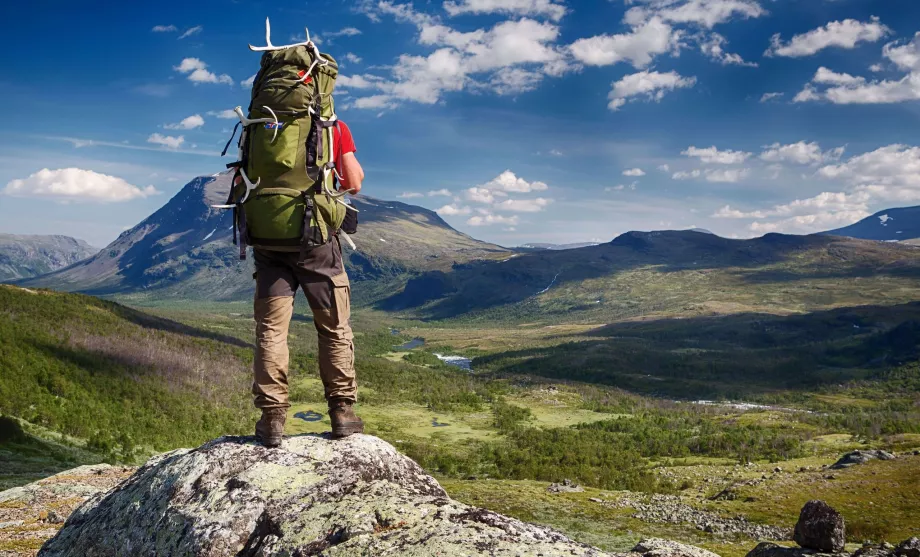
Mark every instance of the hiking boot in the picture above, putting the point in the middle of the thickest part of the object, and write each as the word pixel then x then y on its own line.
pixel 342 416
pixel 270 428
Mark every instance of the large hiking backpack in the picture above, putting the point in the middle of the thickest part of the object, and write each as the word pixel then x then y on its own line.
pixel 285 197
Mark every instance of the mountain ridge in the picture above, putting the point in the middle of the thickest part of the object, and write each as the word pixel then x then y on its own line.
pixel 889 225
pixel 27 255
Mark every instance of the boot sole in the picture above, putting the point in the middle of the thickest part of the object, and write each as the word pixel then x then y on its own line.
pixel 345 431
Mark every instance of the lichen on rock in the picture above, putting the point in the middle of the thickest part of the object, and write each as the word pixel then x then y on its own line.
pixel 311 496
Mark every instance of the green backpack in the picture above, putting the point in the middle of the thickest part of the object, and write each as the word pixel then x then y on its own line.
pixel 286 198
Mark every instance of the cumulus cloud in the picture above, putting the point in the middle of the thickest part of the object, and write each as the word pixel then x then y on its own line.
pixel 650 85
pixel 887 175
pixel 767 97
pixel 799 153
pixel 634 172
pixel 491 218
pixel 718 175
pixel 72 184
pixel 711 155
pixel 843 88
pixel 167 141
pixel 712 45
pixel 223 114
pixel 533 8
pixel 686 174
pixel 844 34
pixel 197 72
pixel 352 58
pixel 703 13
pixel 247 83
pixel 453 210
pixel 189 123
pixel 164 29
pixel 191 31
pixel 638 47
pixel 523 205
pixel 409 195
pixel 441 192
pixel 508 181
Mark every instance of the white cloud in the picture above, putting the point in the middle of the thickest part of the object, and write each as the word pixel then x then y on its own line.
pixel 223 114
pixel 634 172
pixel 727 175
pixel 638 47
pixel 556 153
pixel 848 89
pixel 712 46
pixel 480 195
pixel 844 34
pixel 686 175
pixel 545 8
pixel 191 31
pixel 453 210
pixel 190 123
pixel 799 153
pixel 876 68
pixel 523 205
pixel 711 155
pixel 490 219
pixel 704 13
pixel 352 58
pixel 511 57
pixel 650 85
pixel 664 167
pixel 247 83
pixel 409 195
pixel 621 187
pixel 71 184
pixel 441 192
pixel 767 97
pixel 164 29
pixel 507 181
pixel 344 32
pixel 197 72
pixel 167 141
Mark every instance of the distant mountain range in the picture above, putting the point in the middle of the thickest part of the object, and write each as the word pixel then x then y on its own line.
pixel 558 246
pixel 24 256
pixel 890 225
pixel 185 250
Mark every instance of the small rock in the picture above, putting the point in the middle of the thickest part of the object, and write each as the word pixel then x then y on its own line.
pixel 777 469
pixel 908 548
pixel 861 457
pixel 10 524
pixel 55 517
pixel 595 500
pixel 656 547
pixel 820 527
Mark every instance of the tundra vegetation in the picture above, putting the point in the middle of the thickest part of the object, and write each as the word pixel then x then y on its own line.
pixel 611 407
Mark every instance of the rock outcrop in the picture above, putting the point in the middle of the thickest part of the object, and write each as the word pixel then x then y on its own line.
pixel 657 547
pixel 821 528
pixel 311 496
pixel 861 457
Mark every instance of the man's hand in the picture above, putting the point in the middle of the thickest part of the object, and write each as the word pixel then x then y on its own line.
pixel 352 173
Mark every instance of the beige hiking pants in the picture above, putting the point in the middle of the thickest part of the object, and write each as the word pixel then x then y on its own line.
pixel 321 275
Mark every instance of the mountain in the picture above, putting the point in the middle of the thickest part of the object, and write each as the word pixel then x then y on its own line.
pixel 890 225
pixel 642 274
pixel 23 256
pixel 185 249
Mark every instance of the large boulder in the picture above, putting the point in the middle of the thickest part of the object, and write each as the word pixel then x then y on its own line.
pixel 767 549
pixel 311 496
pixel 820 527
pixel 861 457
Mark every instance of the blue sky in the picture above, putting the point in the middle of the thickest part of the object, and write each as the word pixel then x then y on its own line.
pixel 518 120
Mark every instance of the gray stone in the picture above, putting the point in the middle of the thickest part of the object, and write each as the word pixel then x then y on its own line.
pixel 311 496
pixel 820 527
pixel 657 547
pixel 767 549
pixel 567 486
pixel 908 548
pixel 861 457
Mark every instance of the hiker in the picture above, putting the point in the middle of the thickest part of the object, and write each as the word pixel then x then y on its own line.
pixel 286 205
pixel 322 277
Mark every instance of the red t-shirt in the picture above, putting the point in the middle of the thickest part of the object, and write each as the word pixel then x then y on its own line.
pixel 342 142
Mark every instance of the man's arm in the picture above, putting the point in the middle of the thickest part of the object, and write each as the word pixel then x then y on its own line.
pixel 352 173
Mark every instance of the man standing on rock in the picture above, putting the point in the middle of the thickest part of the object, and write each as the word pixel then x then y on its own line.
pixel 320 272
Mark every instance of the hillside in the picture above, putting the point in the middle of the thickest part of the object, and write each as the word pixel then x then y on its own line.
pixel 670 273
pixel 184 249
pixel 24 256
pixel 890 225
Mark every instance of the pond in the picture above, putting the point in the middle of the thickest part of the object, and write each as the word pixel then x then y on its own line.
pixel 414 343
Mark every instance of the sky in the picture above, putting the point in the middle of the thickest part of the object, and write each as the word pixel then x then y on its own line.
pixel 516 120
